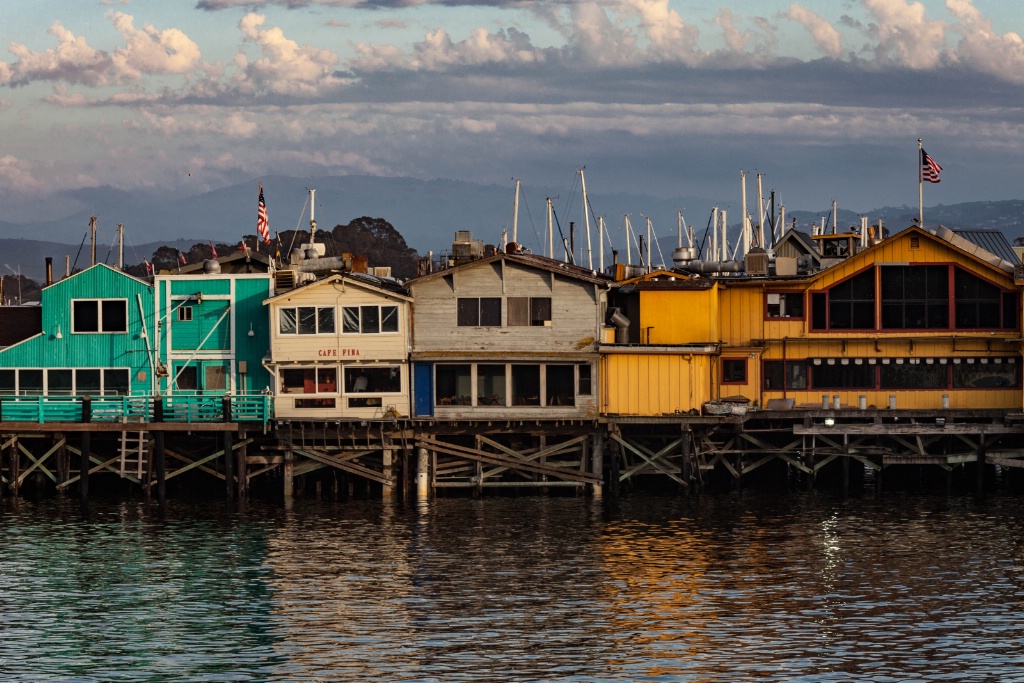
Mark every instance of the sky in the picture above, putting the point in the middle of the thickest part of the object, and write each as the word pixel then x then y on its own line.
pixel 673 98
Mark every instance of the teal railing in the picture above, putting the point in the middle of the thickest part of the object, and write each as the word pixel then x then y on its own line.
pixel 185 409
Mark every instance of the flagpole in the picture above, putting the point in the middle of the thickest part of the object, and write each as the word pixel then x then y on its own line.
pixel 920 183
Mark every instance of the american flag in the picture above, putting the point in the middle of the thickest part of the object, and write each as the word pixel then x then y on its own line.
pixel 262 222
pixel 929 169
pixel 181 257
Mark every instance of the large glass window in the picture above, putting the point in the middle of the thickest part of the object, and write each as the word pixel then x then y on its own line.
pixel 58 382
pixel 916 297
pixel 526 385
pixel 88 381
pixel 7 383
pixel 453 384
pixel 306 320
pixel 322 380
pixel 373 379
pixel 836 375
pixel 490 385
pixel 99 315
pixel 561 384
pixel 979 303
pixel 1004 374
pixel 851 303
pixel 913 373
pixel 369 319
pixel 116 382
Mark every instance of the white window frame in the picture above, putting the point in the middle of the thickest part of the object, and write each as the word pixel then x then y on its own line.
pixel 99 316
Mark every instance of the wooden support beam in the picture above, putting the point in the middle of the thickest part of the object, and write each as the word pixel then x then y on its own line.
pixel 347 464
pixel 529 454
pixel 911 429
pixel 653 459
pixel 795 463
pixel 38 463
pixel 512 463
pixel 753 466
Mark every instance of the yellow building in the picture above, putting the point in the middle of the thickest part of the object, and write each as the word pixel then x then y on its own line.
pixel 916 321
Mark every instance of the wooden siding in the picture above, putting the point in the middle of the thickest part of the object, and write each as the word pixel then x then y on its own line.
pixel 679 316
pixel 339 351
pixel 654 384
pixel 577 310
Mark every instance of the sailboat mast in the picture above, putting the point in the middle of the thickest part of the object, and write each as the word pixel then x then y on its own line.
pixel 586 220
pixel 120 246
pixel 600 243
pixel 760 214
pixel 629 236
pixel 551 231
pixel 515 215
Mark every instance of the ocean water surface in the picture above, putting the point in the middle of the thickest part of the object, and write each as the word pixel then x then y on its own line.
pixel 734 587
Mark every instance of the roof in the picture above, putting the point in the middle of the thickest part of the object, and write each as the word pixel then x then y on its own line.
pixel 530 260
pixel 991 240
pixel 389 288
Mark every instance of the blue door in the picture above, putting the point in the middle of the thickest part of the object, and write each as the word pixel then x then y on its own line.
pixel 423 392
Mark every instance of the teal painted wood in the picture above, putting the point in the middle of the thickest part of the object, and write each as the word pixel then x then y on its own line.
pixel 251 314
pixel 209 328
pixel 45 409
pixel 186 285
pixel 128 350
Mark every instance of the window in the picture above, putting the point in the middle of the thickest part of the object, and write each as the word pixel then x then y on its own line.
pixel 482 312
pixel 851 303
pixel 88 382
pixel 184 313
pixel 784 304
pixel 981 304
pixel 306 320
pixel 916 297
pixel 116 382
pixel 819 311
pixel 369 319
pixel 913 374
pixel 30 382
pixel 561 385
pixel 373 379
pixel 526 385
pixel 216 378
pixel 585 384
pixel 58 381
pixel 1002 374
pixel 453 384
pixel 779 375
pixel 490 385
pixel 835 375
pixel 734 371
pixel 310 381
pixel 99 315
pixel 529 311
pixel 186 378
pixel 7 381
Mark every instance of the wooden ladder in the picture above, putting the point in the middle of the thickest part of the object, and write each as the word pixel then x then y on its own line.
pixel 134 453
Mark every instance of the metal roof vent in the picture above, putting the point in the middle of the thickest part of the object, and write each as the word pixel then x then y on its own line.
pixel 211 266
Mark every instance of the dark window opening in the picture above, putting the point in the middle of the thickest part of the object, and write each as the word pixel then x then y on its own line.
pixel 561 385
pixel 915 297
pixel 839 376
pixel 851 304
pixel 785 304
pixel 734 371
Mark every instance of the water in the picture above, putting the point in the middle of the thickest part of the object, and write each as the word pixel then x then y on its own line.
pixel 728 588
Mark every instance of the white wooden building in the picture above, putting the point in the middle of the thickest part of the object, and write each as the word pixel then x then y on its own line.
pixel 339 350
pixel 506 337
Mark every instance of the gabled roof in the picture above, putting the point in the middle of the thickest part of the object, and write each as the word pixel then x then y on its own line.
pixel 94 267
pixel 529 260
pixel 360 280
pixel 654 276
pixel 801 241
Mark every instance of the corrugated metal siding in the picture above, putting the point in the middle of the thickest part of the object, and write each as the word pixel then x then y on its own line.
pixel 114 350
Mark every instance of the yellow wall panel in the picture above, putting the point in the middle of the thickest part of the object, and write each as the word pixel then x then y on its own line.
pixel 654 384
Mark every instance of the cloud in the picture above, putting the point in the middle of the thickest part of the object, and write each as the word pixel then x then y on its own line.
pixel 825 36
pixel 72 61
pixel 904 35
pixel 285 67
pixel 982 48
pixel 16 176
pixel 151 51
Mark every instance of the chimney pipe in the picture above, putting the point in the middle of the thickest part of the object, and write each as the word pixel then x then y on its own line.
pixel 49 271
